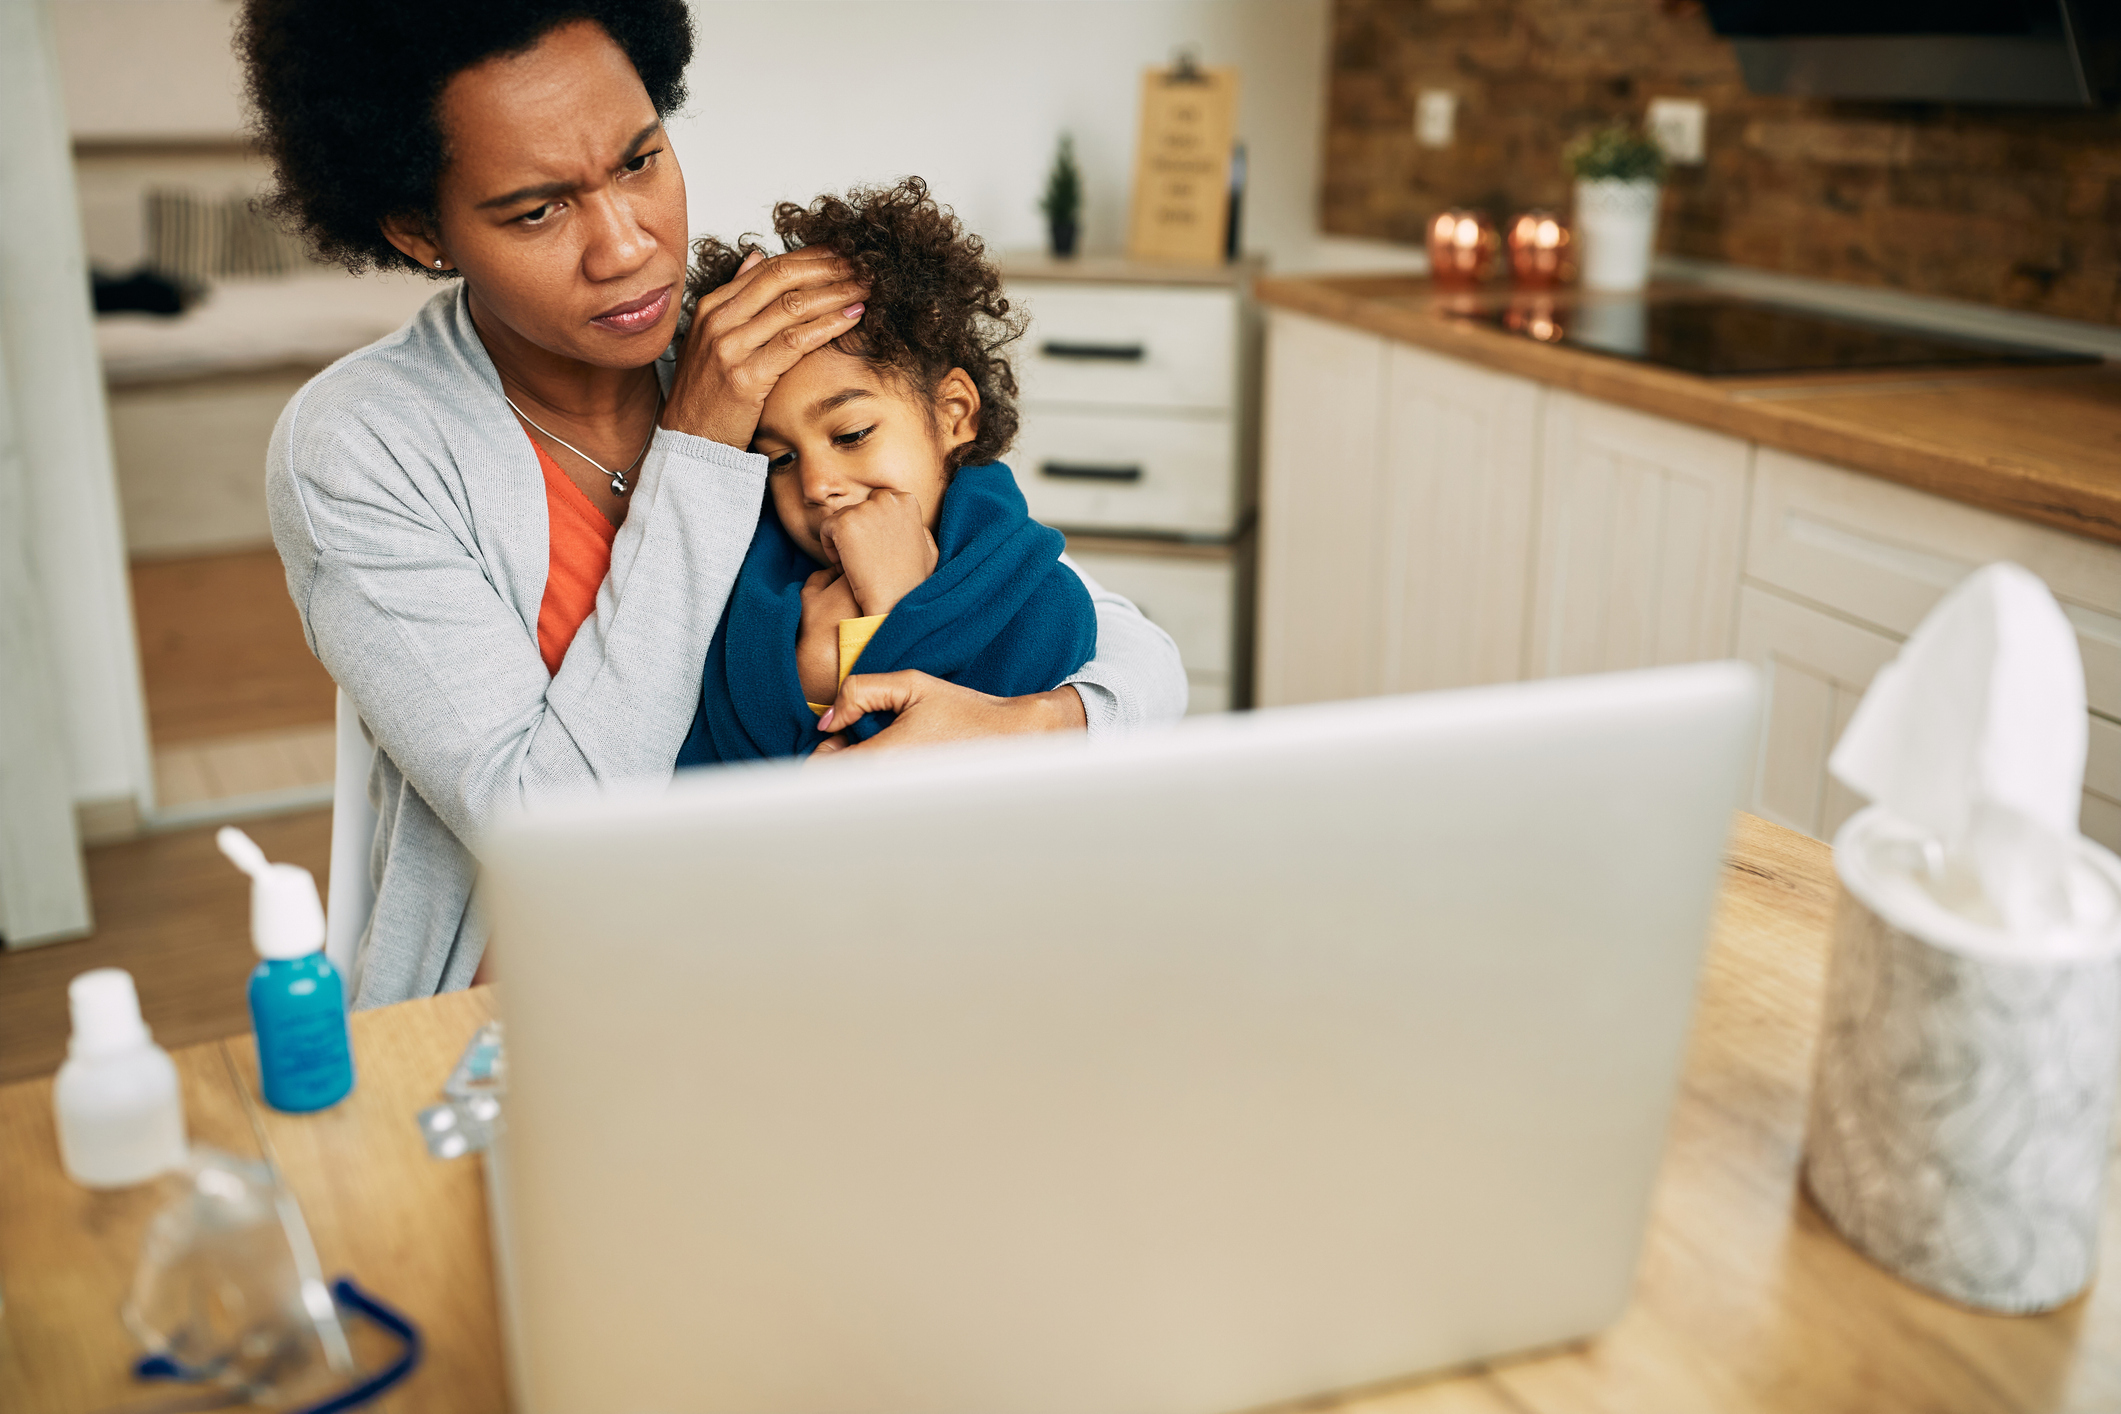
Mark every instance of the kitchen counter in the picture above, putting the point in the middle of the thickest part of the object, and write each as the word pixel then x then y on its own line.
pixel 2040 443
pixel 1745 1299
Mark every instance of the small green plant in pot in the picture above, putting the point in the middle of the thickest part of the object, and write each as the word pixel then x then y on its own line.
pixel 1063 201
pixel 1619 173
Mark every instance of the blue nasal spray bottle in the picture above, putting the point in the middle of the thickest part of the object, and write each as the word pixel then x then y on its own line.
pixel 297 998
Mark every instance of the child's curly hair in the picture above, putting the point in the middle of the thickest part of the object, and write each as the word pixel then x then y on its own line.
pixel 935 301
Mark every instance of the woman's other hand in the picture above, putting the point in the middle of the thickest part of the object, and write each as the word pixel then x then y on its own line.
pixel 882 546
pixel 749 332
pixel 931 711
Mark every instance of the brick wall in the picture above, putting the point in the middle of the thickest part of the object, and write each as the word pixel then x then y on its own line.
pixel 2015 207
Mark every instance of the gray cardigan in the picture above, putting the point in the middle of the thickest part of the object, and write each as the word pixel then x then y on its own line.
pixel 409 511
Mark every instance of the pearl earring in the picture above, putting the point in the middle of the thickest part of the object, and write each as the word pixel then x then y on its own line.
pixel 438 265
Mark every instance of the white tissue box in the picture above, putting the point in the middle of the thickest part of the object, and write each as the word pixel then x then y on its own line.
pixel 1963 1103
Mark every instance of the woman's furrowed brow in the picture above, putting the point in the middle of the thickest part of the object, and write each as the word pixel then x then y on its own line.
pixel 546 191
pixel 633 149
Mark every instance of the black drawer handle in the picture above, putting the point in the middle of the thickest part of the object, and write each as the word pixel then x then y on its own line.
pixel 1077 471
pixel 1111 353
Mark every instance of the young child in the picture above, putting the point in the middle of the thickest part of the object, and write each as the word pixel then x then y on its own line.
pixel 890 533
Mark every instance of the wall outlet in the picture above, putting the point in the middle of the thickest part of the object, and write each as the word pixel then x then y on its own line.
pixel 1681 127
pixel 1435 117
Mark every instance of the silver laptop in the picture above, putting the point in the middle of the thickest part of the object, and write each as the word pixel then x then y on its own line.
pixel 1269 1056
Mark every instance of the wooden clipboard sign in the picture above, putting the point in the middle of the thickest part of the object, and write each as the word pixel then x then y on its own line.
pixel 1181 206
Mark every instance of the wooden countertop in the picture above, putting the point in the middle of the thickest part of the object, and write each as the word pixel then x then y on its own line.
pixel 1746 1301
pixel 2044 443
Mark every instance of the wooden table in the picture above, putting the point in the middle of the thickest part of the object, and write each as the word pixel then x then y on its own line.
pixel 411 1230
pixel 1746 1300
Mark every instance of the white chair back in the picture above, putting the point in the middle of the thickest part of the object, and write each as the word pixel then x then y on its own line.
pixel 353 834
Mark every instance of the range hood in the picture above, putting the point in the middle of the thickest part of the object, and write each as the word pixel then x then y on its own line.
pixel 2055 53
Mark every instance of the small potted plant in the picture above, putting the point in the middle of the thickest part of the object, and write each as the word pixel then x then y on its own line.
pixel 1619 171
pixel 1063 201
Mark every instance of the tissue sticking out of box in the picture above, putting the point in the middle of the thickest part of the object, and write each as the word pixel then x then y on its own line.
pixel 1973 740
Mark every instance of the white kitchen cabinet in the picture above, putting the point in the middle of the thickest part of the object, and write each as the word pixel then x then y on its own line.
pixel 1189 592
pixel 1877 557
pixel 1814 669
pixel 1136 431
pixel 1885 554
pixel 1460 472
pixel 1426 523
pixel 2102 783
pixel 1131 394
pixel 1320 546
pixel 1642 525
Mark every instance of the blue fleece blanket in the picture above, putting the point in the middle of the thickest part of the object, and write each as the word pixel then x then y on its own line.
pixel 1001 614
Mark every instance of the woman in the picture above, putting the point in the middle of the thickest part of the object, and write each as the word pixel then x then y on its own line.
pixel 511 527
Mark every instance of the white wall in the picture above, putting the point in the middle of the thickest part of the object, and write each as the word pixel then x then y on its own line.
pixel 794 97
pixel 62 573
pixel 971 94
pixel 148 68
pixel 65 441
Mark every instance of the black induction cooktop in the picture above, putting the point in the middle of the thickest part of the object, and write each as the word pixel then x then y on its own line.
pixel 1735 338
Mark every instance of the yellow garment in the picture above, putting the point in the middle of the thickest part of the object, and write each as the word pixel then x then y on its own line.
pixel 854 637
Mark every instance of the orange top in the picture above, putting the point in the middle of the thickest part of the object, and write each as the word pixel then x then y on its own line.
pixel 579 558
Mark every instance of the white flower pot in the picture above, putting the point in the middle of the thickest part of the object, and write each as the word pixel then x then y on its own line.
pixel 1616 230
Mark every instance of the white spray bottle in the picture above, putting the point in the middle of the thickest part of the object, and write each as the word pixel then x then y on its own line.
pixel 120 1111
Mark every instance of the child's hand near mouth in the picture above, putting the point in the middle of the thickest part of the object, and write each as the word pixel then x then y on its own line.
pixel 882 545
pixel 879 550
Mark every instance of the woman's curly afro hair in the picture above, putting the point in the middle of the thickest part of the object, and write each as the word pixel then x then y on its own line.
pixel 935 301
pixel 345 94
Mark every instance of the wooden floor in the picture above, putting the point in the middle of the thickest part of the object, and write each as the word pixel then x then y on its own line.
pixel 221 649
pixel 236 707
pixel 175 914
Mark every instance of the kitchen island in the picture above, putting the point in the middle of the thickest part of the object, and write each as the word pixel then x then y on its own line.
pixel 1745 1300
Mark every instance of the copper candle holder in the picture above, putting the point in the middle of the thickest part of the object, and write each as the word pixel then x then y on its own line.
pixel 1535 318
pixel 1539 250
pixel 1463 248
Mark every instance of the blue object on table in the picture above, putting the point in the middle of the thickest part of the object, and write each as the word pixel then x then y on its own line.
pixel 305 1054
pixel 350 1298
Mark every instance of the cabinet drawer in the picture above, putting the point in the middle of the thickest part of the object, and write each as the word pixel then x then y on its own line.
pixel 1113 471
pixel 1146 348
pixel 1886 554
pixel 1191 597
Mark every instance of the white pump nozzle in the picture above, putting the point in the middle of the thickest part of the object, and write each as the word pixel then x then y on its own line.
pixel 106 1012
pixel 242 851
pixel 286 917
